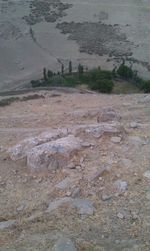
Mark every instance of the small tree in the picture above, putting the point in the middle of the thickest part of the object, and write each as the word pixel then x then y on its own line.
pixel 146 86
pixel 114 72
pixel 103 85
pixel 49 74
pixel 44 74
pixel 80 69
pixel 125 72
pixel 62 69
pixel 70 67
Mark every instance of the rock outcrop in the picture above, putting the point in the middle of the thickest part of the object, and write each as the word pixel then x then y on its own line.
pixel 107 115
pixel 54 154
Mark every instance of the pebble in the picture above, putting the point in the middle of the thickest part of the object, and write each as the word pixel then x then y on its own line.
pixel 65 183
pixel 86 144
pixel 116 140
pixel 121 185
pixel 76 192
pixel 106 197
pixel 134 215
pixel 147 174
pixel 120 216
pixel 21 208
pixel 148 196
pixel 134 125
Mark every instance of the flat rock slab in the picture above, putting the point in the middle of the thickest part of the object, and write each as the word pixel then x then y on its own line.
pixel 7 224
pixel 64 244
pixel 21 149
pixel 107 115
pixel 84 206
pixel 54 154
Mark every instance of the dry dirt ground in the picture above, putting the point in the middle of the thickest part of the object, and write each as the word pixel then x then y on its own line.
pixel 120 219
pixel 36 34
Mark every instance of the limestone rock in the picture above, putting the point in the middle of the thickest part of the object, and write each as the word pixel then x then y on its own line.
pixel 64 244
pixel 121 186
pixel 116 140
pixel 134 125
pixel 7 224
pixel 147 174
pixel 54 205
pixel 107 115
pixel 21 149
pixel 84 206
pixel 65 183
pixel 54 154
pixel 98 130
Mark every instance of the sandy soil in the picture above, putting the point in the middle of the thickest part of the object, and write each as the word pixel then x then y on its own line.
pixel 25 53
pixel 120 221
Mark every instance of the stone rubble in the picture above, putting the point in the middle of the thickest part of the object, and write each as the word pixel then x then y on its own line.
pixel 83 206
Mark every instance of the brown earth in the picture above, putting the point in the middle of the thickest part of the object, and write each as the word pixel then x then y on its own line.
pixel 120 221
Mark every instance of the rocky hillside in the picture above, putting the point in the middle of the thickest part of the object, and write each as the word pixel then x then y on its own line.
pixel 75 172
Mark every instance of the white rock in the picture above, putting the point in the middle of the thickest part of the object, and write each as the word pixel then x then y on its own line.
pixel 7 224
pixel 20 150
pixel 54 154
pixel 116 140
pixel 64 184
pixel 120 216
pixel 147 174
pixel 148 196
pixel 134 125
pixel 108 114
pixel 121 186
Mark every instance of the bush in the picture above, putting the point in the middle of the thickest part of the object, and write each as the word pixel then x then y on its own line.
pixel 49 74
pixel 125 72
pixel 104 86
pixel 36 83
pixel 56 80
pixel 97 74
pixel 71 80
pixel 146 86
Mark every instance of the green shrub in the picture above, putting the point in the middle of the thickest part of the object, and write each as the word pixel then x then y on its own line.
pixel 97 74
pixel 56 80
pixel 36 83
pixel 71 80
pixel 104 85
pixel 125 72
pixel 80 70
pixel 146 86
pixel 49 74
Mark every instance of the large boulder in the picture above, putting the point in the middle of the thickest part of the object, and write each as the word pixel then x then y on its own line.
pixel 20 150
pixel 54 154
pixel 108 114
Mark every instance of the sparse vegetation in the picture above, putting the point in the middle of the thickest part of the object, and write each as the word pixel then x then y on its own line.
pixel 103 81
pixel 146 86
pixel 8 101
